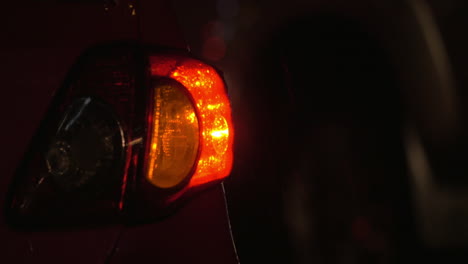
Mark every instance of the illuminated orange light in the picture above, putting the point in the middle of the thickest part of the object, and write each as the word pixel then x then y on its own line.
pixel 174 137
pixel 220 133
pixel 214 110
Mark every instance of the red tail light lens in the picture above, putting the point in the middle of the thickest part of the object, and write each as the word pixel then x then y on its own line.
pixel 212 110
pixel 131 133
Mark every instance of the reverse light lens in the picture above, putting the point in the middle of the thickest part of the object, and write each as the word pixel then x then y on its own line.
pixel 74 170
pixel 87 146
pixel 175 137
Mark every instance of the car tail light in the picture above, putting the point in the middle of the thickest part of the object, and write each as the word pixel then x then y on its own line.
pixel 211 110
pixel 131 135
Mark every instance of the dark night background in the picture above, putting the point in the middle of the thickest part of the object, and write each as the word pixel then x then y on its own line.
pixel 326 98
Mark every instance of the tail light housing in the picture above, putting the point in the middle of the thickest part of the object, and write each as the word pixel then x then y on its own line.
pixel 132 134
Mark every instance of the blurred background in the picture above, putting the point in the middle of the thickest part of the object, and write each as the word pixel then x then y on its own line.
pixel 351 141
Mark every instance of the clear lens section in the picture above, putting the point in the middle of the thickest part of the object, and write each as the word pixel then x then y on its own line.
pixel 175 137
pixel 87 147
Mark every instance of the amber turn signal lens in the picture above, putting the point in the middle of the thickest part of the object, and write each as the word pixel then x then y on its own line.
pixel 175 137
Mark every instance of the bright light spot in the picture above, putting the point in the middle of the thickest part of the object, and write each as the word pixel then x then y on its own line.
pixel 220 133
pixel 213 106
pixel 191 117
